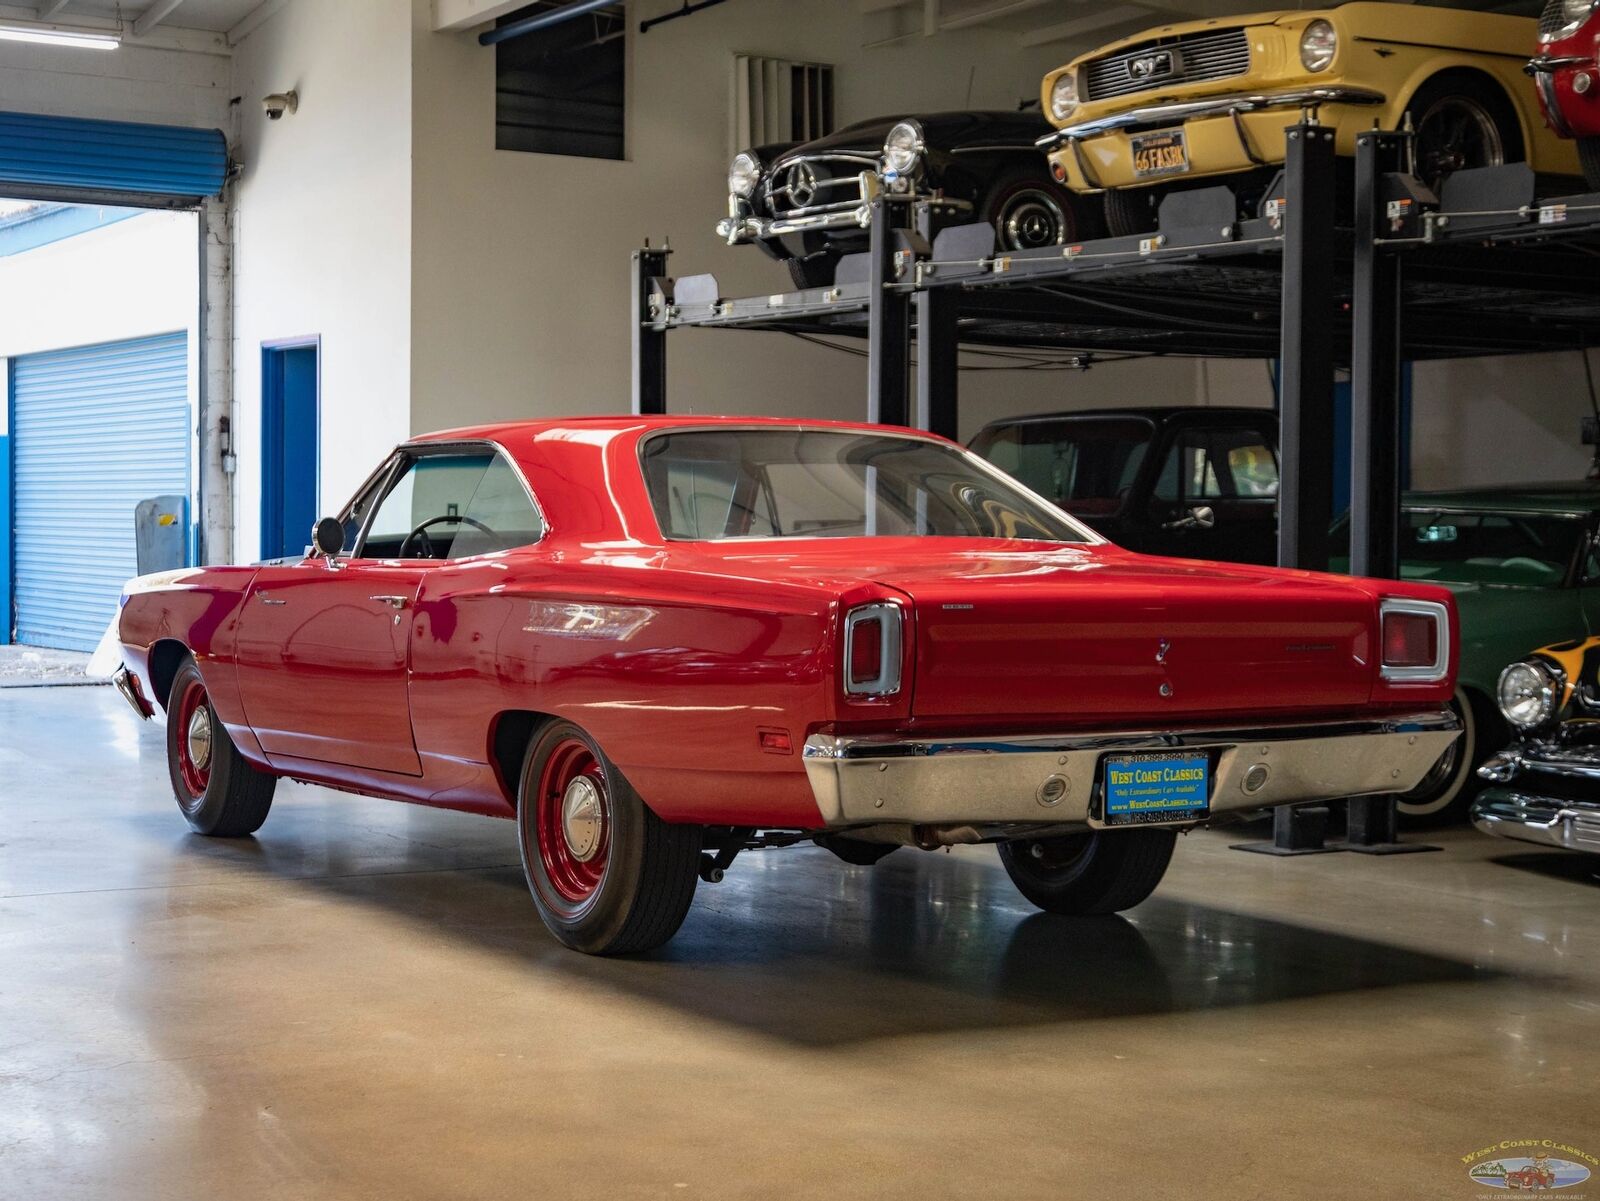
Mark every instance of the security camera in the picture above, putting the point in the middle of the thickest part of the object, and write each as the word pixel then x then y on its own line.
pixel 279 103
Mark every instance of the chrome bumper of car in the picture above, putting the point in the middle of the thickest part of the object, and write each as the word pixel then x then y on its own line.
pixel 1156 115
pixel 748 228
pixel 127 685
pixel 1055 779
pixel 1547 821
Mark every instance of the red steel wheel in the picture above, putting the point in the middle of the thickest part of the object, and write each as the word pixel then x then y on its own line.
pixel 574 820
pixel 195 738
pixel 607 875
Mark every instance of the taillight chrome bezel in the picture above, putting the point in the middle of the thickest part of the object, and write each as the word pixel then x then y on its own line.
pixel 1431 673
pixel 891 622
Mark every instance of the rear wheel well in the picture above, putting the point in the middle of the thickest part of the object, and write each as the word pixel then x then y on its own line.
pixel 509 737
pixel 166 656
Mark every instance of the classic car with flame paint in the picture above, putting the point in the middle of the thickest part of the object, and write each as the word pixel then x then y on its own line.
pixel 1206 102
pixel 657 642
pixel 807 204
pixel 1567 73
pixel 1546 786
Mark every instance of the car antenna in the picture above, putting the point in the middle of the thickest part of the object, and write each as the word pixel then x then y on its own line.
pixel 1591 426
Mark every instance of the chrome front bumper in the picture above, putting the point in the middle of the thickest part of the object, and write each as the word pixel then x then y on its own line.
pixel 1521 813
pixel 1156 115
pixel 1055 779
pixel 1570 825
pixel 750 228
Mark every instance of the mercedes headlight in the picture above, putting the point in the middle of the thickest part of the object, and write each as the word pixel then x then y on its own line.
pixel 903 148
pixel 744 175
pixel 1064 96
pixel 1318 44
pixel 1529 693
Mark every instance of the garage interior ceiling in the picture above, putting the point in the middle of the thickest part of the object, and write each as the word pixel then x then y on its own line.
pixel 146 19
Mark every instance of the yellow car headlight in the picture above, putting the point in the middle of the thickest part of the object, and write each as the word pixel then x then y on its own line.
pixel 1064 97
pixel 1318 45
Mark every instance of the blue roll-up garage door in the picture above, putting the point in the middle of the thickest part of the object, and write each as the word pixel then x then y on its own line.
pixel 120 162
pixel 94 431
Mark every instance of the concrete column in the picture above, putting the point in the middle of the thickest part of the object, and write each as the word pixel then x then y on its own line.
pixel 217 418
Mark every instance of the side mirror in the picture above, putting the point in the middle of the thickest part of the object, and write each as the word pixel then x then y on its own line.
pixel 327 536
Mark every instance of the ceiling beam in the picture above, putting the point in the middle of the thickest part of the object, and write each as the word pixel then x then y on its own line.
pixel 452 16
pixel 153 16
pixel 254 20
pixel 993 13
pixel 1064 31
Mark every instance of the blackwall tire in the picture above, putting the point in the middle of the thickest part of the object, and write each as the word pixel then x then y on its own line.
pixel 1447 792
pixel 813 271
pixel 219 791
pixel 1097 872
pixel 1131 212
pixel 607 875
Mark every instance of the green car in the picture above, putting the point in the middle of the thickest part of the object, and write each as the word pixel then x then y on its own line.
pixel 1524 564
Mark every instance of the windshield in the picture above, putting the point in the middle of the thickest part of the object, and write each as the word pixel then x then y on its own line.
pixel 785 483
pixel 1085 466
pixel 1530 550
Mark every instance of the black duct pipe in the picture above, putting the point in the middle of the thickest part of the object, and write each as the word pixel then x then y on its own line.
pixel 556 16
pixel 688 10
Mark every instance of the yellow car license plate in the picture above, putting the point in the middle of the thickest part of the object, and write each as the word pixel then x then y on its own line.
pixel 1164 152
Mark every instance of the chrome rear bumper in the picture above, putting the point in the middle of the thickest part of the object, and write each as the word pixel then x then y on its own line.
pixel 1547 821
pixel 1055 779
pixel 125 682
pixel 1153 116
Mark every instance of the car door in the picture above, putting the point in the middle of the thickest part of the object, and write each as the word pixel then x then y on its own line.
pixel 1230 469
pixel 323 648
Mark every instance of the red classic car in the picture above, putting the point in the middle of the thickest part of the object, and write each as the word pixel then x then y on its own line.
pixel 1567 72
pixel 656 642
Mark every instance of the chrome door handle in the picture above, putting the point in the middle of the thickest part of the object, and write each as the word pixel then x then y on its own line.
pixel 394 602
pixel 266 600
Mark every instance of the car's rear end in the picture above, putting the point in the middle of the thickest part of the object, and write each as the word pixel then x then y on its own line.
pixel 1098 689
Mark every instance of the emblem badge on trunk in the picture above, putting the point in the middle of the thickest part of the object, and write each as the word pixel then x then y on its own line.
pixel 1162 649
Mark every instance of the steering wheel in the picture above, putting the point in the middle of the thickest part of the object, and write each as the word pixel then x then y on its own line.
pixel 425 544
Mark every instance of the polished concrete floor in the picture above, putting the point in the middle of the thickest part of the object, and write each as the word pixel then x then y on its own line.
pixel 360 1002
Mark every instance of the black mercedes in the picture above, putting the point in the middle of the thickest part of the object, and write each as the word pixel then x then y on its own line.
pixel 807 203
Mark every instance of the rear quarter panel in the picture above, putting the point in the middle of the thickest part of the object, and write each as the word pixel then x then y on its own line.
pixel 674 674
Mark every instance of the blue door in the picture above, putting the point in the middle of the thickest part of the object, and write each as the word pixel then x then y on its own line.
pixel 94 430
pixel 289 384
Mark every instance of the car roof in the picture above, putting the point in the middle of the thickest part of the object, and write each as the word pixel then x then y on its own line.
pixel 1561 496
pixel 556 428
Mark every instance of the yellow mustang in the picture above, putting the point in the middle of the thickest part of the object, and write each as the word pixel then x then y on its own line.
pixel 1210 99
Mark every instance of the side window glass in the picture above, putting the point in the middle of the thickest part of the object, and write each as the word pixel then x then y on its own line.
pixel 499 516
pixel 421 515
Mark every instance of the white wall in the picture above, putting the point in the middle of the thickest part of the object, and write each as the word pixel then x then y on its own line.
pixel 322 233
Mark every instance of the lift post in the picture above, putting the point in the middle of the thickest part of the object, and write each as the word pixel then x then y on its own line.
pixel 938 348
pixel 649 340
pixel 889 317
pixel 1305 490
pixel 1375 435
pixel 1305 402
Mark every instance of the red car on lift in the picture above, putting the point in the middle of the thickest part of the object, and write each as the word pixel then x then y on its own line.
pixel 1567 72
pixel 656 642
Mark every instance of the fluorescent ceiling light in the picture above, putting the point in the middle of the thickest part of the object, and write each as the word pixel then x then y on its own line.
pixel 56 37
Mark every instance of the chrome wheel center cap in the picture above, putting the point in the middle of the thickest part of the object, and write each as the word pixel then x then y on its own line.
pixel 199 738
pixel 583 818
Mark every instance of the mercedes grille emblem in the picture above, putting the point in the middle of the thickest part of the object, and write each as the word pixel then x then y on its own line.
pixel 801 186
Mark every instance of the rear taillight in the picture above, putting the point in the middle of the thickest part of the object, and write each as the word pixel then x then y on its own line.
pixel 872 641
pixel 1416 642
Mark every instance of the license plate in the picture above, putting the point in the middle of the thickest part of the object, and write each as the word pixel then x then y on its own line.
pixel 1164 152
pixel 1144 789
